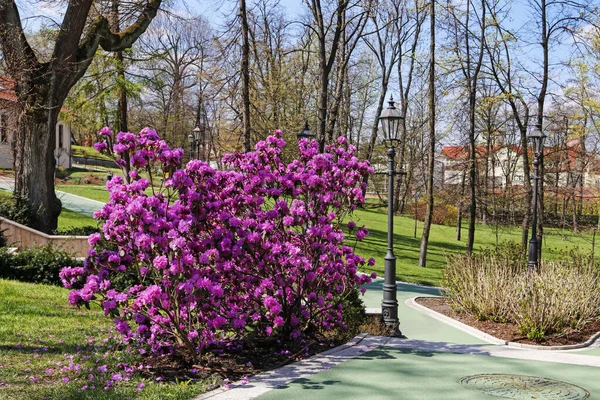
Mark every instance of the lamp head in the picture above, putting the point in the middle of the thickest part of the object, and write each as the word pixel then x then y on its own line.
pixel 391 119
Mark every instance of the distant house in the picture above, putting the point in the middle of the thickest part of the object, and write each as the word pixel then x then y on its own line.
pixel 568 168
pixel 504 164
pixel 8 129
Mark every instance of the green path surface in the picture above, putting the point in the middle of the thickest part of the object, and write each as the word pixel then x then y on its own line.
pixel 391 373
pixel 404 373
pixel 414 324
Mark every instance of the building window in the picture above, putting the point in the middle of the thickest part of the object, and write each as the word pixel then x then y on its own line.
pixel 60 136
pixel 3 128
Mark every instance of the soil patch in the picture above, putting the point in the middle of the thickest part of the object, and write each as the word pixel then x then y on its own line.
pixel 238 361
pixel 509 331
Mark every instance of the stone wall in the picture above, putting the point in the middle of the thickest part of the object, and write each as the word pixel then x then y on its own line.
pixel 21 236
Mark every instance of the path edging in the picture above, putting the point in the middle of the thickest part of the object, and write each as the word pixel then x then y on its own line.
pixel 269 380
pixel 486 337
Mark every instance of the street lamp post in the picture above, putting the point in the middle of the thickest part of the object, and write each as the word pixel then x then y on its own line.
pixel 305 133
pixel 537 138
pixel 195 139
pixel 390 122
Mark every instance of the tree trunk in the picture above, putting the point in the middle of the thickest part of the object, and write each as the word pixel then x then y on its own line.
pixel 35 165
pixel 460 207
pixel 245 78
pixel 431 158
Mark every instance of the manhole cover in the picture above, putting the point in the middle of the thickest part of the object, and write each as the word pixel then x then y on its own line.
pixel 523 387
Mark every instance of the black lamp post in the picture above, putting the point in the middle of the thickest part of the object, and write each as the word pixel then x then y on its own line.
pixel 537 138
pixel 195 139
pixel 305 133
pixel 391 122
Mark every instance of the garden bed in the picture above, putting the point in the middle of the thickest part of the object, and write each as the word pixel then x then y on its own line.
pixel 510 331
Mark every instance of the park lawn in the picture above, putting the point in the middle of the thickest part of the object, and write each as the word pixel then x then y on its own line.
pixel 38 328
pixel 71 219
pixel 442 243
pixel 88 152
pixel 94 192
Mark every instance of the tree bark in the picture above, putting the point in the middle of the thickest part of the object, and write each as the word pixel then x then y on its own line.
pixel 431 158
pixel 247 133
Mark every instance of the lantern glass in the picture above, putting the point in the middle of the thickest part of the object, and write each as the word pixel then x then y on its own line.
pixel 191 138
pixel 196 132
pixel 390 122
pixel 537 138
pixel 305 133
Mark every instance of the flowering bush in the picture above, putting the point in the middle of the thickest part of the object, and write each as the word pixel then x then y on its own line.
pixel 249 252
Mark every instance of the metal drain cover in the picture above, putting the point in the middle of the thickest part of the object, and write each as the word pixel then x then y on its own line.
pixel 523 387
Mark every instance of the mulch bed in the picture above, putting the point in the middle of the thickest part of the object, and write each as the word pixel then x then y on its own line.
pixel 510 331
pixel 245 360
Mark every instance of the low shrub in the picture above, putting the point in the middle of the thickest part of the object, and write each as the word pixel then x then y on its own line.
pixel 18 210
pixel 443 214
pixel 496 286
pixel 560 295
pixel 78 231
pixel 36 264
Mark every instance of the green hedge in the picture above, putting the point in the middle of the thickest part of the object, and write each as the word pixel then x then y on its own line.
pixel 37 264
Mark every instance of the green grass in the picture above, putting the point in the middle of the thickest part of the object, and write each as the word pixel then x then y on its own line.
pixel 67 218
pixel 442 243
pixel 71 219
pixel 38 328
pixel 94 192
pixel 88 152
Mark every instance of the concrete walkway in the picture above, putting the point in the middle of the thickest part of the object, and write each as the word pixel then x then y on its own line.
pixel 429 364
pixel 69 201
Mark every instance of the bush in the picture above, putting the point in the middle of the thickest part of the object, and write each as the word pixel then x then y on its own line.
pixel 443 214
pixel 252 252
pixel 18 210
pixel 36 264
pixel 78 231
pixel 497 287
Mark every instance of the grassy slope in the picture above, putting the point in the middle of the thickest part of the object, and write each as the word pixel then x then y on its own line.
pixel 442 242
pixel 37 317
pixel 88 152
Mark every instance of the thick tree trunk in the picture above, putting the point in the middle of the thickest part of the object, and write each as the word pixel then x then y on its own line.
pixel 35 165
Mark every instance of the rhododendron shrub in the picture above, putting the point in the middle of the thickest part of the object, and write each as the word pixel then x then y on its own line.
pixel 252 251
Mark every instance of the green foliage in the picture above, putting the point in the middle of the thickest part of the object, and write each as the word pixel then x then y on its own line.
pixel 496 286
pixel 36 264
pixel 78 231
pixel 17 209
pixel 354 315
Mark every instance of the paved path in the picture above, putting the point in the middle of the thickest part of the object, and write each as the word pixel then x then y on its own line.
pixel 69 201
pixel 429 364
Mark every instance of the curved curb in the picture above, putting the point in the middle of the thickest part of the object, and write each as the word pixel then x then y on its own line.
pixel 486 337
